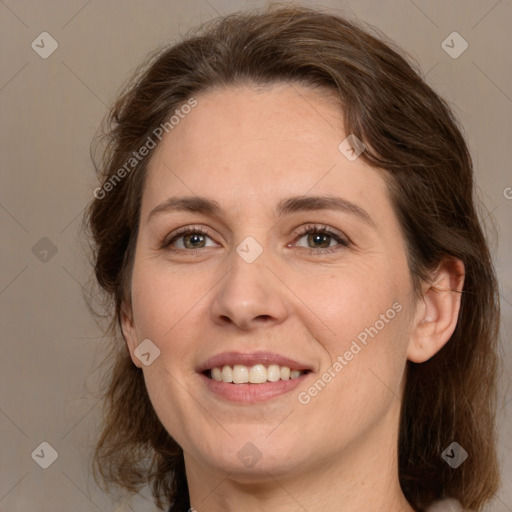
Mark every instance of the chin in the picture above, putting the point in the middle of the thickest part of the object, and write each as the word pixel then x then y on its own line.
pixel 251 462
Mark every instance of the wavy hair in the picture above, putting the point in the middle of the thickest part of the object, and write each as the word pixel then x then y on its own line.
pixel 410 134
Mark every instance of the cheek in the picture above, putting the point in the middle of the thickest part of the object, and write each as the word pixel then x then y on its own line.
pixel 363 326
pixel 362 378
pixel 164 306
pixel 162 300
pixel 353 303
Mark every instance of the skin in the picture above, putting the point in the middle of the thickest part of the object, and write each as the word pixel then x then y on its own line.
pixel 249 148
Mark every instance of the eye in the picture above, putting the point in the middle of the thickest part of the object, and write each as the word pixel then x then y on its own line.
pixel 188 239
pixel 320 239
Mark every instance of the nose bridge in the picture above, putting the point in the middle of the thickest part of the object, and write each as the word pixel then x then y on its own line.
pixel 250 293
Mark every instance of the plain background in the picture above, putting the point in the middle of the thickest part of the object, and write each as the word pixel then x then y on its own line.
pixel 50 110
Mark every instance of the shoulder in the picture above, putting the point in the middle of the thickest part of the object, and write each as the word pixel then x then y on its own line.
pixel 446 505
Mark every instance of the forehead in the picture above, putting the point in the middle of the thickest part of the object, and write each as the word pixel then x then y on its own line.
pixel 250 147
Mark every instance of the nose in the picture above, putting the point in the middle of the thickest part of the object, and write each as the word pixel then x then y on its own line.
pixel 250 295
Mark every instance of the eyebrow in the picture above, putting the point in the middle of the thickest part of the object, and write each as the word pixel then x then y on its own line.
pixel 294 204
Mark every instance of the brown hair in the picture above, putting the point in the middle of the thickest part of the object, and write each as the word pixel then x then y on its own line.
pixel 410 133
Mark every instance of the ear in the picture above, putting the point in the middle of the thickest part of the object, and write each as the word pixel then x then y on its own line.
pixel 437 311
pixel 130 333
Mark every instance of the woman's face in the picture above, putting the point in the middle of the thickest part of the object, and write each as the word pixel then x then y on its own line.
pixel 253 286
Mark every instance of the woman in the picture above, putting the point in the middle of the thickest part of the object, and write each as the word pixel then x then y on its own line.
pixel 304 306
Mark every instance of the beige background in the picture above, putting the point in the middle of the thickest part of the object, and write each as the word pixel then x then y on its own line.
pixel 50 110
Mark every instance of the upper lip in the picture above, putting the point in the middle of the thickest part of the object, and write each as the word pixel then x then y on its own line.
pixel 251 359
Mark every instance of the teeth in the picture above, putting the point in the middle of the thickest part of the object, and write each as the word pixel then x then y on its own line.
pixel 226 374
pixel 240 374
pixel 257 374
pixel 216 374
pixel 273 373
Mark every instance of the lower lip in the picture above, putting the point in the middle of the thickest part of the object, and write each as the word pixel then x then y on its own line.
pixel 252 393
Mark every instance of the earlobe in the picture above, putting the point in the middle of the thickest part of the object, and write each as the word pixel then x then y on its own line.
pixel 129 333
pixel 437 311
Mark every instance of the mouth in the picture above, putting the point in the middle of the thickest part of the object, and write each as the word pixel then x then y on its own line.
pixel 248 378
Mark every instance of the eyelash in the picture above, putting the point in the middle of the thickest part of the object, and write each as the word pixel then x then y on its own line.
pixel 313 229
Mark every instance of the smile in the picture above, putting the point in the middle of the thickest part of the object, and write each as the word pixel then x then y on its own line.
pixel 257 374
pixel 252 376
